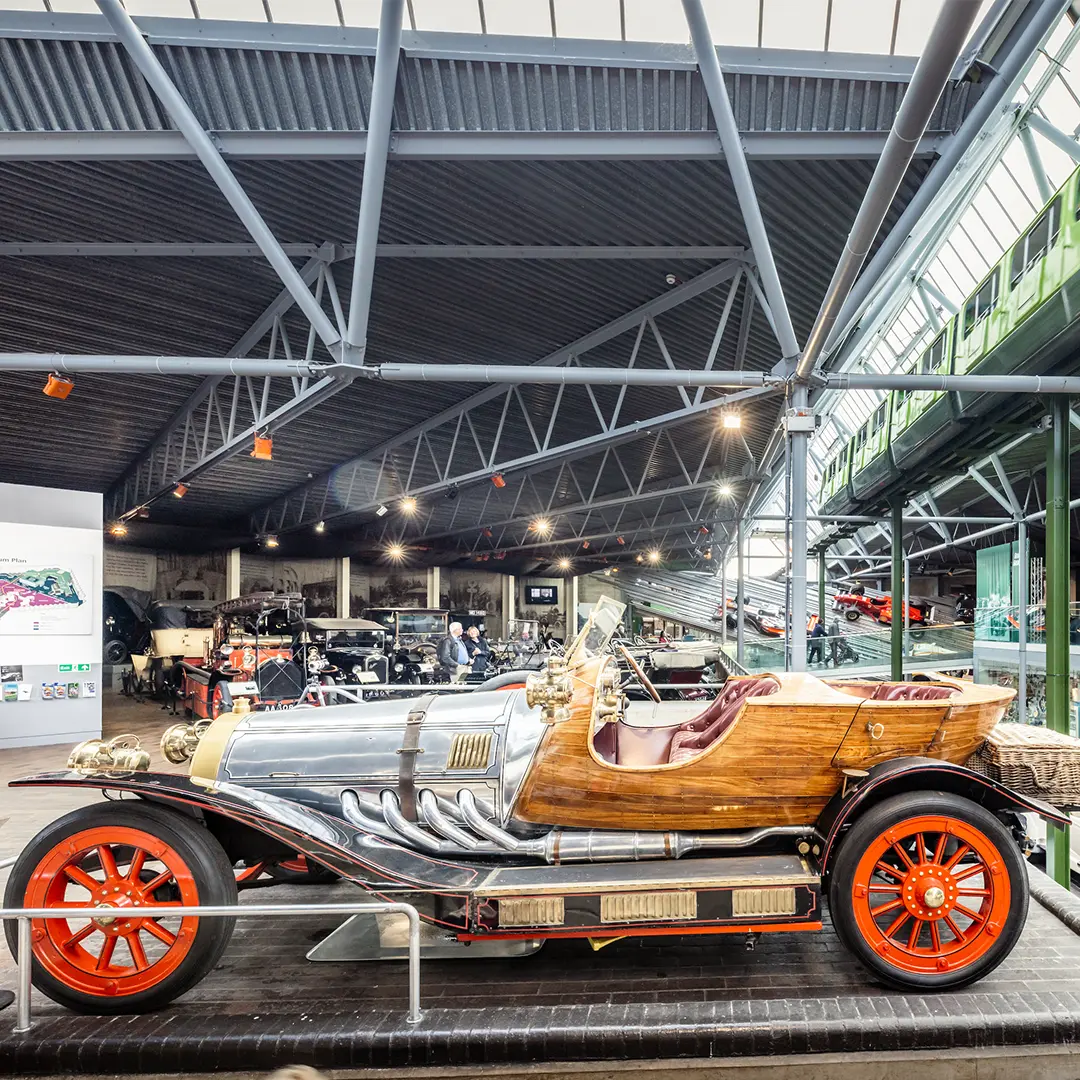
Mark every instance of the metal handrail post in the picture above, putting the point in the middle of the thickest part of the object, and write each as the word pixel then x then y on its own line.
pixel 25 957
pixel 22 988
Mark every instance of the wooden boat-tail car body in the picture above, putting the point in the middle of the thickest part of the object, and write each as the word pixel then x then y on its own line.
pixel 559 810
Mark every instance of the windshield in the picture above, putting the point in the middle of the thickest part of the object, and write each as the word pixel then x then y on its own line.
pixel 421 624
pixel 355 639
pixel 598 630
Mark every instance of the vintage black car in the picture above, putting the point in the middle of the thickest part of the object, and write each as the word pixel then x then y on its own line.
pixel 347 650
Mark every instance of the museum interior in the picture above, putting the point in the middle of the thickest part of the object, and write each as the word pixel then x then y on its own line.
pixel 612 460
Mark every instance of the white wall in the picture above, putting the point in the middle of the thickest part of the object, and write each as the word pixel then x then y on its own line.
pixel 52 527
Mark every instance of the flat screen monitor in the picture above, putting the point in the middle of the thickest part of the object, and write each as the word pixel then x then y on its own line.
pixel 541 594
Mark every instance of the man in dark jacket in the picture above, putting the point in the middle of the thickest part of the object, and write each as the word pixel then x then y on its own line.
pixel 452 654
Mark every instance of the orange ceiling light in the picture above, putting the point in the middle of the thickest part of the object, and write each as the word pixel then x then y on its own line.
pixel 58 386
pixel 180 491
pixel 499 480
pixel 264 448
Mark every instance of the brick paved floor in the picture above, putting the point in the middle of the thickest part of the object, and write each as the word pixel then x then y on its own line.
pixel 264 974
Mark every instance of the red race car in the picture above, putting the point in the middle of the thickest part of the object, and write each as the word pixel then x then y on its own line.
pixel 855 605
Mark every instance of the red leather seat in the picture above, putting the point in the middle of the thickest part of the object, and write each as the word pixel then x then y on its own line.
pixel 700 733
pixel 913 692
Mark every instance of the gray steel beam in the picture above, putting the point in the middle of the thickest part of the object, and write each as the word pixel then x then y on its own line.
pixel 17 249
pixel 797 513
pixel 452 145
pixel 616 327
pixel 202 145
pixel 1035 163
pixel 1044 14
pixel 384 83
pixel 947 38
pixel 728 133
pixel 1053 135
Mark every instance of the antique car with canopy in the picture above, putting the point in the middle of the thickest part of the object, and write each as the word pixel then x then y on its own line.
pixel 561 810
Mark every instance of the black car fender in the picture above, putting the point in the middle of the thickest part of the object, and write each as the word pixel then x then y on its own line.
pixel 920 774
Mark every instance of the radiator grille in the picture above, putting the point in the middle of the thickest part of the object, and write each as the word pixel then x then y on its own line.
pixel 763 901
pixel 470 750
pixel 647 907
pixel 533 911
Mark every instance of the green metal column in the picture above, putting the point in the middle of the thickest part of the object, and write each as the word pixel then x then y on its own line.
pixel 1057 608
pixel 821 586
pixel 897 585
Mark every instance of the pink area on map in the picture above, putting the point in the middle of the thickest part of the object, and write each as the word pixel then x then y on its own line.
pixel 18 596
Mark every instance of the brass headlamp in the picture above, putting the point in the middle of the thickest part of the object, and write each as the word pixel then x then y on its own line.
pixel 121 754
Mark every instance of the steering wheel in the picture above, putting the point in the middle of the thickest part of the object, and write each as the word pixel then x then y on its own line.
pixel 642 678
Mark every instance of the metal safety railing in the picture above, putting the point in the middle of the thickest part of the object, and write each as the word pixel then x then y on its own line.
pixel 24 916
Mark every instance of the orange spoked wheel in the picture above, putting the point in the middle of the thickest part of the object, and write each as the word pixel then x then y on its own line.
pixel 929 890
pixel 134 863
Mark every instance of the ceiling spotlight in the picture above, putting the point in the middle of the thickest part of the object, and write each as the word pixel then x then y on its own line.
pixel 708 554
pixel 703 529
pixel 451 492
pixel 585 545
pixel 498 480
pixel 614 569
pixel 654 556
pixel 541 526
pixel 271 541
pixel 395 552
pixel 671 279
pixel 320 527
pixel 638 558
pixel 620 541
pixel 58 386
pixel 723 490
pixel 382 511
pixel 731 420
pixel 118 528
pixel 180 491
pixel 487 533
pixel 264 448
pixel 564 564
pixel 408 505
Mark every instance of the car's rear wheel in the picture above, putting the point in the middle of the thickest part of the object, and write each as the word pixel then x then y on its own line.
pixel 852 615
pixel 135 862
pixel 929 891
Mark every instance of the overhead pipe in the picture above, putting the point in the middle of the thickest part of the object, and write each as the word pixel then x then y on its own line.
pixel 160 365
pixel 993 98
pixel 188 123
pixel 731 142
pixel 932 72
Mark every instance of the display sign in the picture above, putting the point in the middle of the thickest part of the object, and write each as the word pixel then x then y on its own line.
pixel 46 581
pixel 541 594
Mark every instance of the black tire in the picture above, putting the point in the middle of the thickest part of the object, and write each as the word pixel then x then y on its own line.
pixel 852 615
pixel 505 680
pixel 115 652
pixel 987 949
pixel 211 882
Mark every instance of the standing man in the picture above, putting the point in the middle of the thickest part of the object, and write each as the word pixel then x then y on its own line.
pixel 452 654
pixel 477 648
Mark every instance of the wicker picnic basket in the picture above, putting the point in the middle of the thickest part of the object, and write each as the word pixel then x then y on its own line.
pixel 1032 761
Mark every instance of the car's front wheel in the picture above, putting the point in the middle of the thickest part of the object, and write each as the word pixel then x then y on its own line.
pixel 929 891
pixel 135 862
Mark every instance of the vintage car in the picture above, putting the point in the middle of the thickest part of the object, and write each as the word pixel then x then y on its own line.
pixel 253 642
pixel 360 651
pixel 560 810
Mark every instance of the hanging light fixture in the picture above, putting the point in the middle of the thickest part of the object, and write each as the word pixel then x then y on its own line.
pixel 180 491
pixel 58 386
pixel 408 505
pixel 499 480
pixel 264 447
pixel 118 528
pixel 320 527
pixel 271 541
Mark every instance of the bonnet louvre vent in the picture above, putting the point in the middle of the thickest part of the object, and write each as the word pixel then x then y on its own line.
pixel 471 750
